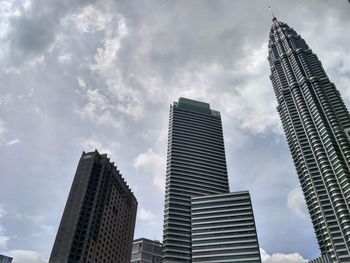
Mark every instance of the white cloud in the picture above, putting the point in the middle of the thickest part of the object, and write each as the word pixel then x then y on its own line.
pixel 3 238
pixel 12 142
pixel 147 215
pixel 99 108
pixel 81 82
pixel 90 19
pixel 296 202
pixel 25 256
pixel 3 129
pixel 281 258
pixel 2 211
pixel 64 58
pixel 153 164
pixel 125 98
pixel 3 241
pixel 4 136
pixel 93 142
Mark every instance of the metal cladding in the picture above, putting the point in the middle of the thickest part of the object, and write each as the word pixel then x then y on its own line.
pixel 146 251
pixel 5 259
pixel 317 126
pixel 196 166
pixel 321 259
pixel 99 218
pixel 223 229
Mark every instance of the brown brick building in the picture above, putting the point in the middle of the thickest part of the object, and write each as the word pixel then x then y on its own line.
pixel 98 221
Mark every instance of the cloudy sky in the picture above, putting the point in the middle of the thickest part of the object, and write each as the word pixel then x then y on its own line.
pixel 83 74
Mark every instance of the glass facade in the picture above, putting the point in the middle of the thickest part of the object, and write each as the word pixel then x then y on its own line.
pixel 203 222
pixel 196 166
pixel 316 123
pixel 146 251
pixel 223 229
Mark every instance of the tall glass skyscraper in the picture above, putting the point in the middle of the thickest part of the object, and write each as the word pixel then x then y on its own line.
pixel 317 126
pixel 196 166
pixel 203 222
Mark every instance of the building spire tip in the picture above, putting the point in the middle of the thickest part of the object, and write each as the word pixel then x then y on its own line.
pixel 272 14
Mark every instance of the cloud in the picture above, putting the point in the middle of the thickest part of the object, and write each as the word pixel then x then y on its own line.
pixel 25 256
pixel 296 202
pixel 90 19
pixel 3 241
pixel 4 137
pixel 281 258
pixel 3 131
pixel 153 164
pixel 148 216
pixel 3 238
pixel 12 142
pixel 126 98
pixel 37 25
pixel 2 211
pixel 94 143
pixel 97 108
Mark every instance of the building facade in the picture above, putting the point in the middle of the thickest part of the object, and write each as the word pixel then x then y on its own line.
pixel 321 259
pixel 146 251
pixel 196 166
pixel 317 126
pixel 197 175
pixel 223 229
pixel 98 221
pixel 5 259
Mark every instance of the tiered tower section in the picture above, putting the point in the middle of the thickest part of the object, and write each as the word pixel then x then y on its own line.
pixel 223 229
pixel 196 166
pixel 317 126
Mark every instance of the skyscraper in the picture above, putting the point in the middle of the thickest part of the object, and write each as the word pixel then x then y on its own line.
pixel 321 259
pixel 5 259
pixel 317 126
pixel 198 205
pixel 196 166
pixel 99 218
pixel 223 229
pixel 146 251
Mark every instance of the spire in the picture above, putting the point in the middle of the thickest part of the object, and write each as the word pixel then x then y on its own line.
pixel 272 14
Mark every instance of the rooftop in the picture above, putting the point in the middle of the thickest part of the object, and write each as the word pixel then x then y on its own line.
pixel 196 106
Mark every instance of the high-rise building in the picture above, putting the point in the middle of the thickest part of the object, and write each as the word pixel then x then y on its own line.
pixel 317 126
pixel 223 229
pixel 99 218
pixel 5 259
pixel 196 168
pixel 146 251
pixel 196 165
pixel 322 259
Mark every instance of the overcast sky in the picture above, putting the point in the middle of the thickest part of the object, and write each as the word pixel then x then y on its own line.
pixel 83 74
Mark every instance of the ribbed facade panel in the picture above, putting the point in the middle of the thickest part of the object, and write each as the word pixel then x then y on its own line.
pixel 317 124
pixel 5 259
pixel 196 165
pixel 223 229
pixel 146 251
pixel 321 259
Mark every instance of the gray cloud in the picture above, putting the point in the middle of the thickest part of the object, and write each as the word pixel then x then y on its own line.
pixel 37 26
